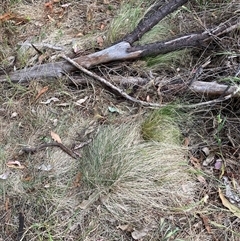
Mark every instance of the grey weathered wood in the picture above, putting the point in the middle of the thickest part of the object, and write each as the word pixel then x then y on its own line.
pixel 123 50
pixel 153 17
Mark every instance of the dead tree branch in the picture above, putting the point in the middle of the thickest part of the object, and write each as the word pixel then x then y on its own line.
pixel 151 18
pixel 124 51
pixel 186 41
pixel 113 87
pixel 120 52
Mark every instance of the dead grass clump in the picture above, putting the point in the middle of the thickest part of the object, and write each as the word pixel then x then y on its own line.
pixel 136 180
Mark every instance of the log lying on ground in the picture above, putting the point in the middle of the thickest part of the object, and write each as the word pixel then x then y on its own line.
pixel 116 52
pixel 213 89
pixel 120 52
pixel 203 88
pixel 123 50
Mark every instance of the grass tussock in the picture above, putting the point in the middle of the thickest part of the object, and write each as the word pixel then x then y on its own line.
pixel 134 182
pixel 127 19
pixel 135 177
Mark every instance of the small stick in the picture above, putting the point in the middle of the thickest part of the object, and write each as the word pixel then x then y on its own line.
pixel 20 226
pixel 43 146
pixel 113 87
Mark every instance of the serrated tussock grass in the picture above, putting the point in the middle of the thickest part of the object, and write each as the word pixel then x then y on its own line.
pixel 133 176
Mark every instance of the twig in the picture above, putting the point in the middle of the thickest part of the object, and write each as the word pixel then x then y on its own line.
pixel 52 144
pixel 113 87
pixel 49 46
pixel 20 226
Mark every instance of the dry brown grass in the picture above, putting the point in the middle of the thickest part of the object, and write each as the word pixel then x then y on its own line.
pixel 129 184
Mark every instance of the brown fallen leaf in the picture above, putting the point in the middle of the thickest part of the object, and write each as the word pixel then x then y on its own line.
pixel 42 58
pixel 186 141
pixel 77 180
pixel 206 223
pixel 55 137
pixel 49 5
pixel 14 17
pixel 202 179
pixel 27 178
pixel 102 26
pixel 5 17
pixel 41 92
pixel 90 13
pixel 227 204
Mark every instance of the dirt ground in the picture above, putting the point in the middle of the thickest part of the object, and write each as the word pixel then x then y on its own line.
pixel 121 171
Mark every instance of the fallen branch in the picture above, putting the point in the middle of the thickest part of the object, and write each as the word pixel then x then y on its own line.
pixel 123 50
pixel 213 89
pixel 125 81
pixel 215 101
pixel 32 150
pixel 186 41
pixel 113 87
pixel 208 89
pixel 153 17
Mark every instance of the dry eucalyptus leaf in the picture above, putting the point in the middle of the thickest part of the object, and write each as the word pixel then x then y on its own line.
pixel 100 41
pixel 41 92
pixel 63 104
pixel 81 101
pixel 206 151
pixel 14 114
pixel 90 13
pixel 202 179
pixel 208 160
pixel 55 137
pixel 232 208
pixel 66 5
pixel 15 164
pixel 53 99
